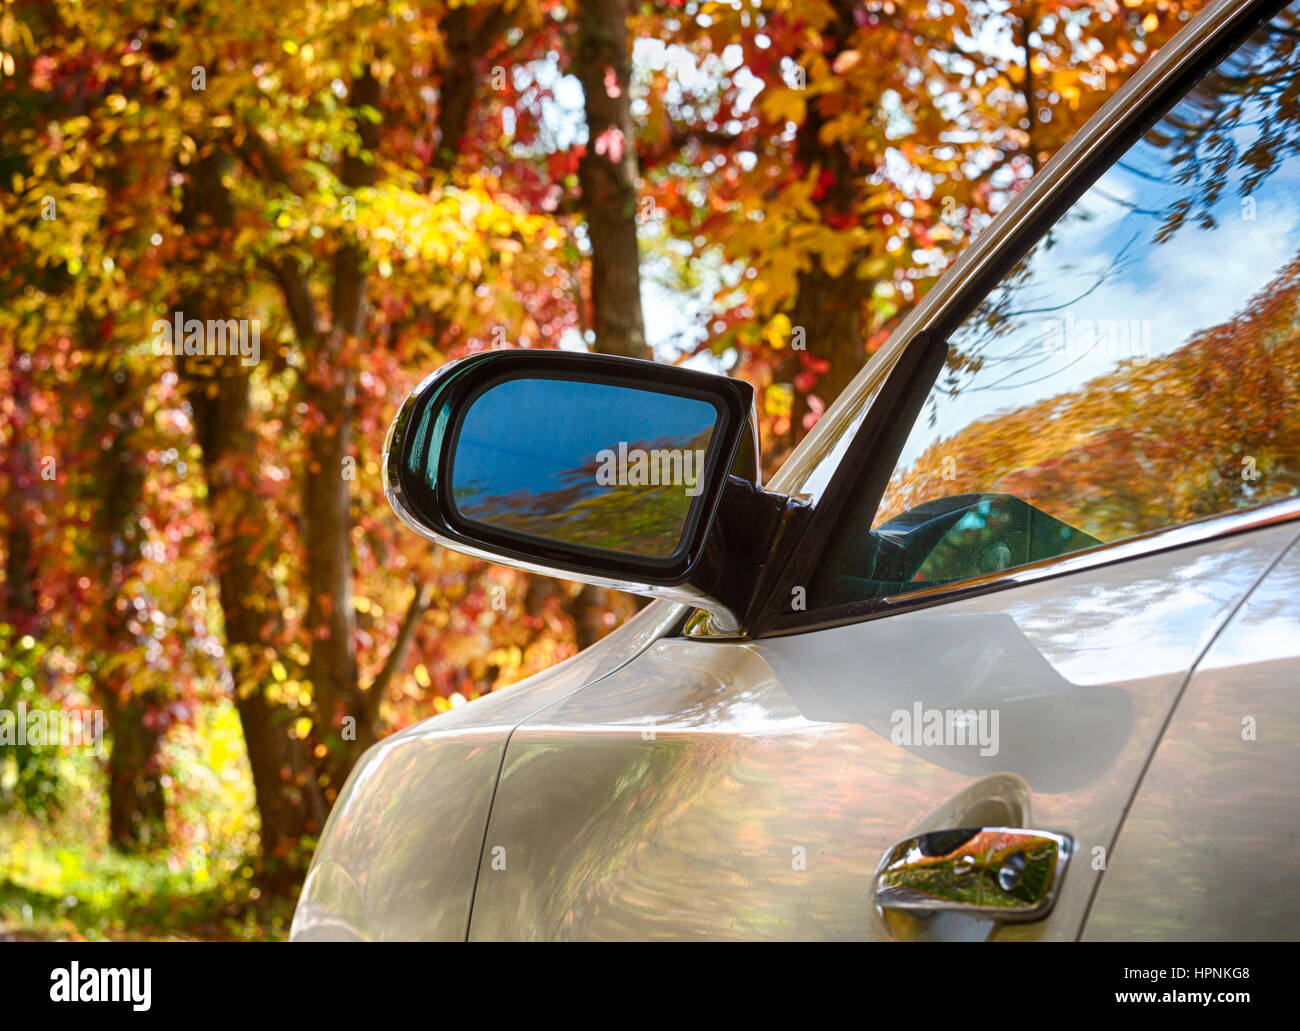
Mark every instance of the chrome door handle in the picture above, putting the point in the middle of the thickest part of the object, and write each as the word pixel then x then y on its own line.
pixel 1004 872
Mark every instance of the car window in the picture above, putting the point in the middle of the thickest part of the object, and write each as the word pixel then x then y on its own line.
pixel 1136 370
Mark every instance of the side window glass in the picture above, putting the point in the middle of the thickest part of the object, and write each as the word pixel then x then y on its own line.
pixel 1138 369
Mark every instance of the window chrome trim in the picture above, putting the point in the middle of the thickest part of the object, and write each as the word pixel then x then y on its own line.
pixel 1200 531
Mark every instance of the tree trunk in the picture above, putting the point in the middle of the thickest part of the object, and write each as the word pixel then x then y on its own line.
pixel 607 174
pixel 327 495
pixel 137 807
pixel 18 605
pixel 289 800
pixel 827 308
pixel 288 796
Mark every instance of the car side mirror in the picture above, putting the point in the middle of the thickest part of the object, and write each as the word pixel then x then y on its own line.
pixel 612 471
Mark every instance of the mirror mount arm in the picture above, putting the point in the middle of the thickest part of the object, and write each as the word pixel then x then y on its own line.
pixel 749 518
pixel 749 523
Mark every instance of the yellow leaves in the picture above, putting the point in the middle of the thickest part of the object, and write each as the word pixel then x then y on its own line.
pixel 459 249
pixel 834 246
pixel 874 268
pixel 422 676
pixel 781 279
pixel 796 200
pixel 302 727
pixel 221 93
pixel 784 105
pixel 221 753
pixel 69 864
pixel 881 200
pixel 816 14
pixel 1065 81
pixel 778 401
pixel 777 331
pixel 246 238
pixel 508 658
pixel 841 128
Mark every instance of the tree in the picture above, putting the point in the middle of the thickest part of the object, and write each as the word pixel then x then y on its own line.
pixel 839 154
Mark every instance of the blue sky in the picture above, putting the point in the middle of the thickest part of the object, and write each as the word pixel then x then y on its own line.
pixel 1197 279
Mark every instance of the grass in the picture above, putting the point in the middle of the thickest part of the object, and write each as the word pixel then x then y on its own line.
pixel 60 879
pixel 54 891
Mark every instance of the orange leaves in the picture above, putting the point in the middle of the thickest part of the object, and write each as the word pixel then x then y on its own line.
pixel 845 60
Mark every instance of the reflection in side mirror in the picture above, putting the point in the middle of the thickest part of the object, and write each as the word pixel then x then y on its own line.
pixel 594 465
pixel 611 471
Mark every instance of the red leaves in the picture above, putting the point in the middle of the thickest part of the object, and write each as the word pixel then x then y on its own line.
pixel 612 88
pixel 825 180
pixel 813 368
pixel 841 220
pixel 612 144
pixel 561 164
pixel 816 406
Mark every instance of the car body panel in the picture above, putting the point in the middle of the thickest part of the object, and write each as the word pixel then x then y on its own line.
pixel 398 855
pixel 669 800
pixel 1211 845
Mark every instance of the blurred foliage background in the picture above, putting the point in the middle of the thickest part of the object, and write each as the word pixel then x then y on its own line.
pixel 198 546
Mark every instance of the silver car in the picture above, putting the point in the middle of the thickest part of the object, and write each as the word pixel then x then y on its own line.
pixel 1009 649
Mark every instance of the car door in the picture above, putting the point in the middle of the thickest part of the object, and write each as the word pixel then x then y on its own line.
pixel 1032 517
pixel 1208 849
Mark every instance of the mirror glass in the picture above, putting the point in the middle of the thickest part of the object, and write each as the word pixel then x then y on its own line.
pixel 615 468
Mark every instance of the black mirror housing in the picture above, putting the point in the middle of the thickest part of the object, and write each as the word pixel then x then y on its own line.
pixel 529 500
